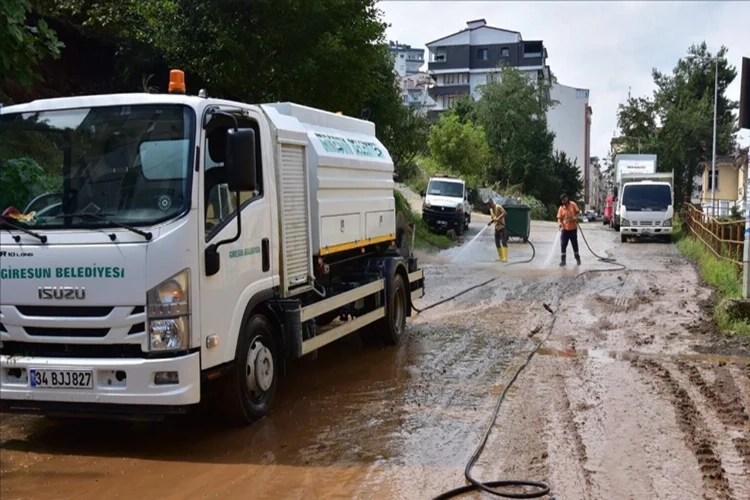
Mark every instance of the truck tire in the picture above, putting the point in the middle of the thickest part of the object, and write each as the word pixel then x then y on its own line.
pixel 623 238
pixel 391 327
pixel 248 390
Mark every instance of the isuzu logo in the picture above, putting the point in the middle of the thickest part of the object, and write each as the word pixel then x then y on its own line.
pixel 62 293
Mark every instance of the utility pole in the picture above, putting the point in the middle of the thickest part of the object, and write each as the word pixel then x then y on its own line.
pixel 713 155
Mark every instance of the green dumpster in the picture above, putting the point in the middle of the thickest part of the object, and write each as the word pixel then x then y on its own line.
pixel 518 221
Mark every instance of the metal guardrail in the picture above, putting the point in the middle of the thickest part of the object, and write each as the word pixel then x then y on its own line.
pixel 724 239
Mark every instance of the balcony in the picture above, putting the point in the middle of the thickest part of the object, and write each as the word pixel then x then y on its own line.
pixel 449 90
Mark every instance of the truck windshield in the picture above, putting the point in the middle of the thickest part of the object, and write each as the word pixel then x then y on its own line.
pixel 446 188
pixel 128 164
pixel 639 197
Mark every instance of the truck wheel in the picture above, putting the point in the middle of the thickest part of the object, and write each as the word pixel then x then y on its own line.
pixel 248 390
pixel 460 229
pixel 623 238
pixel 391 327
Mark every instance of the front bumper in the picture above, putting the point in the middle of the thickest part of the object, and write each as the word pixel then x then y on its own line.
pixel 136 389
pixel 443 219
pixel 646 230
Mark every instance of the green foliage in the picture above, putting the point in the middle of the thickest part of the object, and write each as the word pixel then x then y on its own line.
pixel 676 123
pixel 460 148
pixel 538 210
pixel 23 46
pixel 328 54
pixel 405 137
pixel 20 180
pixel 720 274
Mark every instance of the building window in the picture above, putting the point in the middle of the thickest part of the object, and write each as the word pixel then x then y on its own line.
pixel 483 54
pixel 401 56
pixel 505 52
pixel 438 56
pixel 711 178
pixel 582 94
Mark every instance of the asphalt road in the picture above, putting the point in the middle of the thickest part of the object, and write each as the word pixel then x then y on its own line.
pixel 621 402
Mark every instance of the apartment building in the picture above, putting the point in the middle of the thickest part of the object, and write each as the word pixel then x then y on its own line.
pixel 463 61
pixel 407 60
pixel 415 91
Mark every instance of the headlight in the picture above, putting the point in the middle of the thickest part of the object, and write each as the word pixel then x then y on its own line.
pixel 427 204
pixel 667 223
pixel 168 314
pixel 459 208
pixel 624 222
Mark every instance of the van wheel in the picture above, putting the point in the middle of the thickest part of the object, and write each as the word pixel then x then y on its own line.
pixel 392 326
pixel 248 390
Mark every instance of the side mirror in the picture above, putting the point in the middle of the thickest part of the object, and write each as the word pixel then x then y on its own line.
pixel 241 162
pixel 421 193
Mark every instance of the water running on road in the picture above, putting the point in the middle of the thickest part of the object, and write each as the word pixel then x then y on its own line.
pixel 466 246
pixel 553 251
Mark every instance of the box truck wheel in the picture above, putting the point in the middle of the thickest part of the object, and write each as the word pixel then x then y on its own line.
pixel 391 327
pixel 249 389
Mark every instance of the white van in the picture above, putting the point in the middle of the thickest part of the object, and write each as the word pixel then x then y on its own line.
pixel 446 204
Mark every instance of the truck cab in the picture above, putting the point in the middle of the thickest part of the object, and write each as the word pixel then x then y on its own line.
pixel 446 204
pixel 646 209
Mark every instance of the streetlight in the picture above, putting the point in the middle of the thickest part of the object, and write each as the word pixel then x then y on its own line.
pixel 713 155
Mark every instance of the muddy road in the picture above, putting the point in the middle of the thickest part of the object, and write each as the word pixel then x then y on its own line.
pixel 624 400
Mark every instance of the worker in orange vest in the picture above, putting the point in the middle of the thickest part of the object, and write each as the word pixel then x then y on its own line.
pixel 567 218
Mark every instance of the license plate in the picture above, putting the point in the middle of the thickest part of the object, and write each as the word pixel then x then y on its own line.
pixel 442 222
pixel 646 230
pixel 61 379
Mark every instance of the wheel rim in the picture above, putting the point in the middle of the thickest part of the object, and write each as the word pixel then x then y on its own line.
pixel 259 369
pixel 398 311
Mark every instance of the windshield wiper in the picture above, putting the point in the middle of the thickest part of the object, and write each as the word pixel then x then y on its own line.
pixel 103 217
pixel 7 222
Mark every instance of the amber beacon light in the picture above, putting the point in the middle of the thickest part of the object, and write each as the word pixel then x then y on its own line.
pixel 176 81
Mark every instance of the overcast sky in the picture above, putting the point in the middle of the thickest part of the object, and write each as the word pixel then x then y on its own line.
pixel 606 47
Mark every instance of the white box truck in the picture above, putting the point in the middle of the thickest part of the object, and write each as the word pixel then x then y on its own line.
pixel 629 164
pixel 646 206
pixel 130 286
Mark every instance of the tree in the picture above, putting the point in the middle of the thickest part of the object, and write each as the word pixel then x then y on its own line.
pixel 513 113
pixel 23 45
pixel 568 175
pixel 678 121
pixel 405 137
pixel 460 148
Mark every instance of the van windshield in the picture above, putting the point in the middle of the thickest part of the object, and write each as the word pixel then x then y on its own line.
pixel 127 164
pixel 640 197
pixel 446 188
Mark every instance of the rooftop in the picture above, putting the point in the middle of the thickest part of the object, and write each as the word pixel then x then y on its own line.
pixel 471 26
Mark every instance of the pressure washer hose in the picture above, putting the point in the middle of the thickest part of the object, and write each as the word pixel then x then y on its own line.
pixel 539 488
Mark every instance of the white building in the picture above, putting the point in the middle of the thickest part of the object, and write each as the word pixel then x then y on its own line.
pixel 406 60
pixel 570 120
pixel 463 61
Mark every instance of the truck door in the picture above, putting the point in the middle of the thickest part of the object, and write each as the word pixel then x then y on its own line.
pixel 247 266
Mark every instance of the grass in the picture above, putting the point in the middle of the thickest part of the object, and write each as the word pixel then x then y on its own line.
pixel 719 274
pixel 425 238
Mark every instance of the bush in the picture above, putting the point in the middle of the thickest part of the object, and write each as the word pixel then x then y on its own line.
pixel 538 210
pixel 721 275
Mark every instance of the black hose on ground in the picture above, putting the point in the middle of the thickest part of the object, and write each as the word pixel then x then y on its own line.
pixel 539 489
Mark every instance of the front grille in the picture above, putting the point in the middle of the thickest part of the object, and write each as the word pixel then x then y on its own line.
pixel 646 223
pixel 45 350
pixel 65 311
pixel 37 331
pixel 137 328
